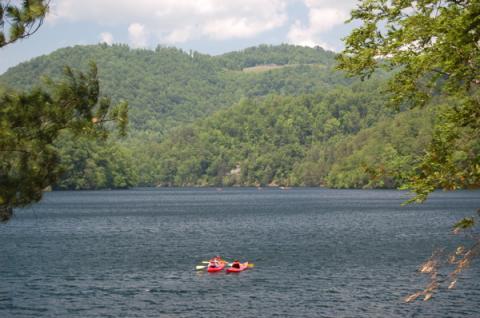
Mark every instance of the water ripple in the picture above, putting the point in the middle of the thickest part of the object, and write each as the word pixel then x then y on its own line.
pixel 318 253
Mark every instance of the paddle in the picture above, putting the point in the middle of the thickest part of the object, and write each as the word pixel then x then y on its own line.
pixel 206 262
pixel 200 267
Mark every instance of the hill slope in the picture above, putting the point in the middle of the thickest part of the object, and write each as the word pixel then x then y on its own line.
pixel 330 138
pixel 167 86
pixel 265 115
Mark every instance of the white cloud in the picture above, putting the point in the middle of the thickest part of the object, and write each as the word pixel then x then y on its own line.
pixel 324 19
pixel 176 21
pixel 106 37
pixel 234 27
pixel 137 35
pixel 300 35
pixel 343 5
pixel 323 16
pixel 178 36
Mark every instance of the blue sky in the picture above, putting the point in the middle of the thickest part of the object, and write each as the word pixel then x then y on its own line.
pixel 207 26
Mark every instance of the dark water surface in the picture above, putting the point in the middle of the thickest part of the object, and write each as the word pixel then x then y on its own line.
pixel 318 253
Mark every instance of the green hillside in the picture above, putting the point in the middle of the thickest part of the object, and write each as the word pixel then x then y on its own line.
pixel 167 86
pixel 341 138
pixel 280 55
pixel 278 115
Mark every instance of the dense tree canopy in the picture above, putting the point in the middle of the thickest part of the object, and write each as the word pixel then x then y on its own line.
pixel 273 140
pixel 279 55
pixel 94 164
pixel 166 87
pixel 336 138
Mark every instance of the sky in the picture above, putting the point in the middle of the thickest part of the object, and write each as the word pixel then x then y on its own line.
pixel 207 26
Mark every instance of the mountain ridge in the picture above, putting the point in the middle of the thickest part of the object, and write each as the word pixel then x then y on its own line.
pixel 168 86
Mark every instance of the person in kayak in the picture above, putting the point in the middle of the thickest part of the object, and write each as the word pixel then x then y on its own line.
pixel 215 262
pixel 236 264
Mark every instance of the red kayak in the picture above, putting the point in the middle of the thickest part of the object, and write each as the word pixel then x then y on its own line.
pixel 243 266
pixel 218 268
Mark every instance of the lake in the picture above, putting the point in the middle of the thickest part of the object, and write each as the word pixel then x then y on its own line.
pixel 317 253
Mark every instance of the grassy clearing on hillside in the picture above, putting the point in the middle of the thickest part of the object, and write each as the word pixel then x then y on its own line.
pixel 269 67
pixel 263 68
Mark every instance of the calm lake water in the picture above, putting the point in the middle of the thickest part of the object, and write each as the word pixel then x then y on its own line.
pixel 318 253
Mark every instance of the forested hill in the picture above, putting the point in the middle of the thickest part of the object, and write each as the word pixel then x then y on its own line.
pixel 267 115
pixel 343 138
pixel 279 55
pixel 167 86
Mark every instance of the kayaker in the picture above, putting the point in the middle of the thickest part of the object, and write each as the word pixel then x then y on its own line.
pixel 236 264
pixel 214 262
